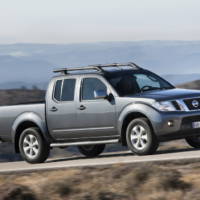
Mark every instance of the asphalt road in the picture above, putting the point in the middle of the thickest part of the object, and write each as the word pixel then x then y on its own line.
pixel 104 159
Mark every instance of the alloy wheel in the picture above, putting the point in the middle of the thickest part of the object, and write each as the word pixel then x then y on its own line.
pixel 31 146
pixel 139 137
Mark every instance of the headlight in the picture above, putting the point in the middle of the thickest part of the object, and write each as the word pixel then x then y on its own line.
pixel 164 106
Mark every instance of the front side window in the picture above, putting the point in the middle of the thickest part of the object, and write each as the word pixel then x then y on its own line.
pixel 89 86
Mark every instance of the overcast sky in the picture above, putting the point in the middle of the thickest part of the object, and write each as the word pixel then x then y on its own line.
pixel 71 21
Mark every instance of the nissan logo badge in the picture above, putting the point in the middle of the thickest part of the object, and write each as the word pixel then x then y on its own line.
pixel 195 103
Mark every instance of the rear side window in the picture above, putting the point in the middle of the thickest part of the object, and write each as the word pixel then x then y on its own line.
pixel 57 90
pixel 68 90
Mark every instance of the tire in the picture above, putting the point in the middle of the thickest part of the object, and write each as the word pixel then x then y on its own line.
pixel 193 141
pixel 140 137
pixel 91 151
pixel 33 148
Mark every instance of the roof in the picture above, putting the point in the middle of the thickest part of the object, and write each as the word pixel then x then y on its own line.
pixel 102 69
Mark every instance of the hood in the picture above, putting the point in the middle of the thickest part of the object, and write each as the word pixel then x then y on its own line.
pixel 171 94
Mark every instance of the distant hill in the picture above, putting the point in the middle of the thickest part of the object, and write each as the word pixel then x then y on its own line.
pixel 33 63
pixel 177 79
pixel 21 84
pixel 191 85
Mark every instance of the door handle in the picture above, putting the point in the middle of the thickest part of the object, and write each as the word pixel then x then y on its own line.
pixel 82 107
pixel 53 109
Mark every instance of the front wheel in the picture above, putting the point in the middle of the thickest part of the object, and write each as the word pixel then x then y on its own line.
pixel 33 148
pixel 193 141
pixel 92 150
pixel 140 137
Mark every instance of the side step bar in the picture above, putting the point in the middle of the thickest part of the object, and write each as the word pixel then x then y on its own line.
pixel 84 143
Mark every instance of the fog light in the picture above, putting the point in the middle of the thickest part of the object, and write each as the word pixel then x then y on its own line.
pixel 170 123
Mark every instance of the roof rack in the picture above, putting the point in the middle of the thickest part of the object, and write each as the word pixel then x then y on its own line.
pixel 98 67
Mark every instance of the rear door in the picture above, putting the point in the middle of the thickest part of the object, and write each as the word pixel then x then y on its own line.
pixel 61 109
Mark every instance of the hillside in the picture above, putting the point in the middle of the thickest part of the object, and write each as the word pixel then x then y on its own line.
pixel 191 85
pixel 12 97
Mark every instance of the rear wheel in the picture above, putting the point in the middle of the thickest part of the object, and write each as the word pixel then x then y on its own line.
pixel 33 148
pixel 193 141
pixel 91 150
pixel 140 137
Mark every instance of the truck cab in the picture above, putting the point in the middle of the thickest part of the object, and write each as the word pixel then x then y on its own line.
pixel 76 112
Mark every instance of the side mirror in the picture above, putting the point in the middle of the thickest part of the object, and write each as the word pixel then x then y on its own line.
pixel 100 94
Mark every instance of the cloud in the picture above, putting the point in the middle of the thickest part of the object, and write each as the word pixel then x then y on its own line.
pixel 18 54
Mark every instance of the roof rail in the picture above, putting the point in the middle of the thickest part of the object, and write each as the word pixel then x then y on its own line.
pixel 66 70
pixel 98 67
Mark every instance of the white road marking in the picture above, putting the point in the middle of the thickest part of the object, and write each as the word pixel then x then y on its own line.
pixel 105 159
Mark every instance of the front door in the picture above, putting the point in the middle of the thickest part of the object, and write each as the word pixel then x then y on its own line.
pixel 96 117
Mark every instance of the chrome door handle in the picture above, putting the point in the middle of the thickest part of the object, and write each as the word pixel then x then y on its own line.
pixel 82 107
pixel 53 109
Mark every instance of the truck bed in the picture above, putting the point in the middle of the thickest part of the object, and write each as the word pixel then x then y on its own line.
pixel 8 115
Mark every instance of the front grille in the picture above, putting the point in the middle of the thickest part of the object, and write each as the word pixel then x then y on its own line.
pixel 192 104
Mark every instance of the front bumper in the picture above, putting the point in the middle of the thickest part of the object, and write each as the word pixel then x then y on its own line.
pixel 181 125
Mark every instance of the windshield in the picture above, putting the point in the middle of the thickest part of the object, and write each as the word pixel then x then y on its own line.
pixel 137 82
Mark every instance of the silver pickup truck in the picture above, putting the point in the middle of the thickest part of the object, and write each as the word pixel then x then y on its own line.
pixel 92 106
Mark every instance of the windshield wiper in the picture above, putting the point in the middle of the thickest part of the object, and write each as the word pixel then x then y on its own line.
pixel 149 88
pixel 157 88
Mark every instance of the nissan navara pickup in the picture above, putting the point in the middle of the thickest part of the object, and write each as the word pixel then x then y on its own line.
pixel 96 105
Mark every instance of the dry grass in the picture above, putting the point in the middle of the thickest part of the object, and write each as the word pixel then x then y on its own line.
pixel 163 181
